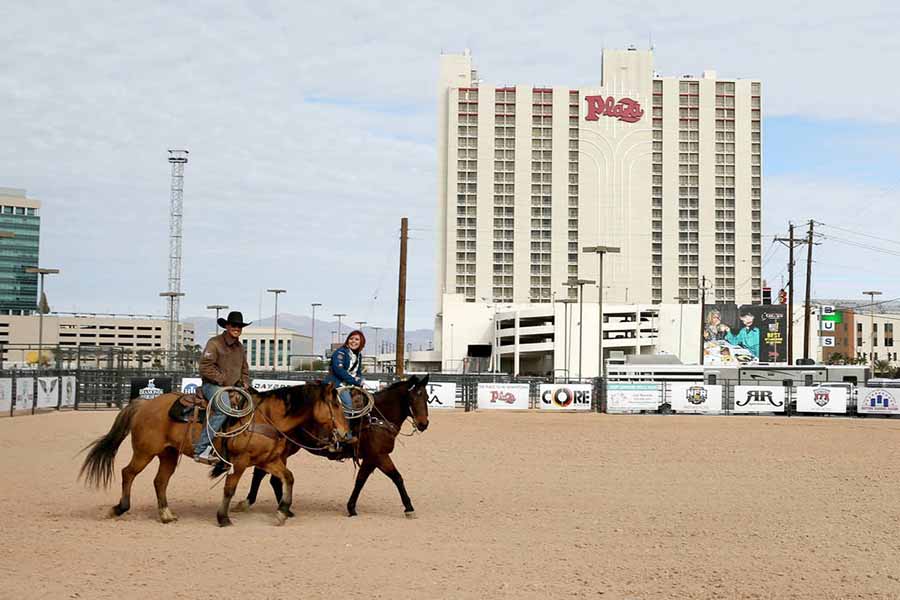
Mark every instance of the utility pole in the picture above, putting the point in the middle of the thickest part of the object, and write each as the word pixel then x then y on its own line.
pixel 871 295
pixel 790 242
pixel 809 249
pixel 313 340
pixel 401 297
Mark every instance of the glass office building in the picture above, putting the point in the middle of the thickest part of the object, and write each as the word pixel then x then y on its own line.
pixel 20 226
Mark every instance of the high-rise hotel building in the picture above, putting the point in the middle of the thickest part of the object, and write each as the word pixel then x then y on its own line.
pixel 666 168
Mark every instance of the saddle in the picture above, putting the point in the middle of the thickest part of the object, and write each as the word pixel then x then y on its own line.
pixel 182 410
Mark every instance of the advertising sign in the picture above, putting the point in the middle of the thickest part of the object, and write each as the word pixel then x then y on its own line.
pixel 372 385
pixel 264 385
pixel 746 334
pixel 189 385
pixel 67 390
pixel 5 395
pixel 695 398
pixel 48 392
pixel 441 395
pixel 625 397
pixel 758 399
pixel 502 396
pixel 822 399
pixel 573 396
pixel 878 401
pixel 24 392
pixel 149 388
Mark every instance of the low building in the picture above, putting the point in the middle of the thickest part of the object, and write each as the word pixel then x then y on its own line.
pixel 293 349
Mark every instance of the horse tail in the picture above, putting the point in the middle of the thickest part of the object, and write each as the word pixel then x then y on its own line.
pixel 98 465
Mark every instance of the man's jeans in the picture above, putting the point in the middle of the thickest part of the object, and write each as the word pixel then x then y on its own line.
pixel 216 420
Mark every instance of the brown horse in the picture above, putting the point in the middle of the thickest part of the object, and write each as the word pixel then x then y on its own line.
pixel 393 405
pixel 154 433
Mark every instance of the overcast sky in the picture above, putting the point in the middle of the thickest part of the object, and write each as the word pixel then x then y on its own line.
pixel 312 127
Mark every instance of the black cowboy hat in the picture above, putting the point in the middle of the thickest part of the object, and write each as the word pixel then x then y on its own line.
pixel 235 318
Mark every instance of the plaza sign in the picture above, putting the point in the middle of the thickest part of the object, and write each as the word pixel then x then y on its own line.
pixel 625 109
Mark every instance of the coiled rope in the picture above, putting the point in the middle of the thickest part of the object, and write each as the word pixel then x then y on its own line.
pixel 356 413
pixel 221 401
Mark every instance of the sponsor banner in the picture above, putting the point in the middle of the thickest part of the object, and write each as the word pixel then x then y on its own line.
pixel 372 385
pixel 67 390
pixel 622 397
pixel 878 401
pixel 6 399
pixel 822 399
pixel 149 388
pixel 502 395
pixel 24 392
pixel 48 392
pixel 441 395
pixel 189 385
pixel 264 385
pixel 746 334
pixel 695 398
pixel 758 399
pixel 574 396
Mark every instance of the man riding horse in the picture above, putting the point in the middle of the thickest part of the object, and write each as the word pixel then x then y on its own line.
pixel 223 364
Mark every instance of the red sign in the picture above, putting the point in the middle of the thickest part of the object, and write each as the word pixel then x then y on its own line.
pixel 626 109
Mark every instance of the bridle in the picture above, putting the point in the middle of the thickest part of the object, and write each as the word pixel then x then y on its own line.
pixel 326 444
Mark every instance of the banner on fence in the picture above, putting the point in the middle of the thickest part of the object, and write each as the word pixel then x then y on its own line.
pixel 48 392
pixel 878 401
pixel 5 395
pixel 441 394
pixel 575 396
pixel 758 399
pixel 695 398
pixel 264 385
pixel 822 399
pixel 189 385
pixel 24 392
pixel 502 395
pixel 623 397
pixel 67 390
pixel 148 388
pixel 372 385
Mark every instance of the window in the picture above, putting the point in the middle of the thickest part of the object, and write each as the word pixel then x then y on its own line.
pixel 271 353
pixel 889 334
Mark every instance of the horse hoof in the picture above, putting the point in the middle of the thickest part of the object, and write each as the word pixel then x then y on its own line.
pixel 280 518
pixel 226 522
pixel 167 516
pixel 241 506
pixel 290 514
pixel 411 514
pixel 115 512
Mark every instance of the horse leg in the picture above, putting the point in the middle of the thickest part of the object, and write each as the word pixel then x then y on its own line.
pixel 231 483
pixel 138 462
pixel 361 476
pixel 386 466
pixel 279 469
pixel 245 504
pixel 168 460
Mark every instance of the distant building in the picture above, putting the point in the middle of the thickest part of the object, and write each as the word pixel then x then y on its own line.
pixel 261 351
pixel 19 216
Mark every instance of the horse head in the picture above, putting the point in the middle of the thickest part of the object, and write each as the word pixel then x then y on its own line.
pixel 327 411
pixel 418 400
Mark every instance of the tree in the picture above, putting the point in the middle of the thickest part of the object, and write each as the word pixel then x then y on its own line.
pixel 883 368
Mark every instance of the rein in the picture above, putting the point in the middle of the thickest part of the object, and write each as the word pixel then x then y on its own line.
pixel 327 444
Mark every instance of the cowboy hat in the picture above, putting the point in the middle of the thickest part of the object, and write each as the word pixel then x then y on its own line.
pixel 235 319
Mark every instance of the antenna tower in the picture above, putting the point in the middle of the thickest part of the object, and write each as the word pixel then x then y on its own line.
pixel 177 158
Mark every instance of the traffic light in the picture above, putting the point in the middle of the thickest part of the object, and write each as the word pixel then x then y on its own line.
pixel 782 297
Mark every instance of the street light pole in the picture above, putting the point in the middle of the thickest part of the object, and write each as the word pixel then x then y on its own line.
pixel 600 251
pixel 871 296
pixel 681 300
pixel 275 291
pixel 340 331
pixel 580 283
pixel 217 308
pixel 377 349
pixel 314 305
pixel 41 307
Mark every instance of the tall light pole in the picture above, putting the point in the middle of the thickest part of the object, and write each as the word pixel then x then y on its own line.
pixel 871 296
pixel 580 283
pixel 600 251
pixel 275 291
pixel 217 308
pixel 42 307
pixel 451 346
pixel 565 302
pixel 340 331
pixel 314 305
pixel 173 326
pixel 681 300
pixel 377 349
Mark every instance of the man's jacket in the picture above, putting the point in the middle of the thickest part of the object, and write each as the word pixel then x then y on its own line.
pixel 224 362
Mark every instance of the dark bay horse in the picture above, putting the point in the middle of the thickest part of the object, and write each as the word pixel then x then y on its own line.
pixel 393 405
pixel 154 434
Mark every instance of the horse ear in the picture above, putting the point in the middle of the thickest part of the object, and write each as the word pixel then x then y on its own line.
pixel 413 381
pixel 425 380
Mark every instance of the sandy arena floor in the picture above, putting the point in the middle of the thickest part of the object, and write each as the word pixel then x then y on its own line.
pixel 512 505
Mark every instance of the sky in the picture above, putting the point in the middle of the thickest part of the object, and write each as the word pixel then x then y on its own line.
pixel 312 127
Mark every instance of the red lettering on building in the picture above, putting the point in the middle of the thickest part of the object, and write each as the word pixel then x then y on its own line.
pixel 625 109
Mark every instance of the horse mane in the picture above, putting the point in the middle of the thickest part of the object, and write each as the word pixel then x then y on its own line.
pixel 295 397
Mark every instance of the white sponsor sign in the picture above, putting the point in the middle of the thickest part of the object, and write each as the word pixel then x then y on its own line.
pixel 822 399
pixel 67 390
pixel 24 392
pixel 189 385
pixel 5 395
pixel 574 396
pixel 373 385
pixel 441 395
pixel 623 397
pixel 48 392
pixel 502 395
pixel 264 385
pixel 758 399
pixel 878 401
pixel 695 398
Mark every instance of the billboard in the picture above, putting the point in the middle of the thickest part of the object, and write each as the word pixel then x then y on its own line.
pixel 695 398
pixel 746 334
pixel 758 399
pixel 575 396
pixel 441 394
pixel 878 401
pixel 502 395
pixel 822 399
pixel 625 397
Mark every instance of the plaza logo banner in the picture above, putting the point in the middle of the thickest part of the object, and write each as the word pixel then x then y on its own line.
pixel 575 396
pixel 503 396
pixel 878 401
pixel 627 397
pixel 822 399
pixel 5 395
pixel 48 392
pixel 695 398
pixel 441 395
pixel 758 399
pixel 67 390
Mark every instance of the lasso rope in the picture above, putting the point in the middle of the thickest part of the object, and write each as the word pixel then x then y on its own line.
pixel 221 401
pixel 356 413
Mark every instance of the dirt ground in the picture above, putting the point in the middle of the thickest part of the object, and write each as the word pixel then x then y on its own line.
pixel 509 505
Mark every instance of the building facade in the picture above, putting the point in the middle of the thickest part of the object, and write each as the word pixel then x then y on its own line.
pixel 19 216
pixel 263 353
